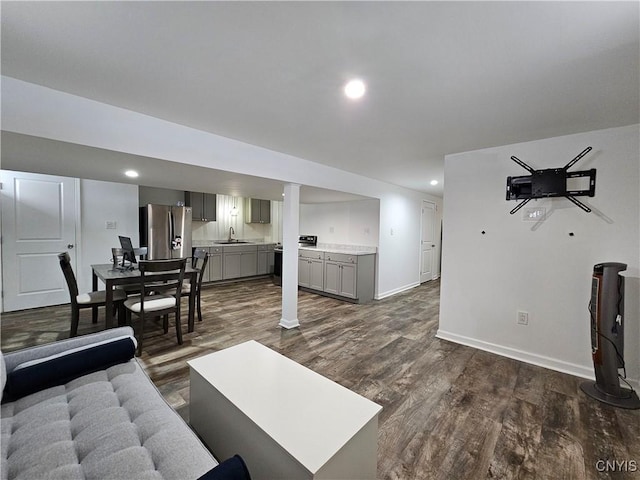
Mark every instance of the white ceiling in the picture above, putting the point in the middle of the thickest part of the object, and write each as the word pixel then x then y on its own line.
pixel 443 77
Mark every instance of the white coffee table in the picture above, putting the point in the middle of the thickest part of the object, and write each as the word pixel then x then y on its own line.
pixel 285 420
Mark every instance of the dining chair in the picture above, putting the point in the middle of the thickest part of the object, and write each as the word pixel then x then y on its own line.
pixel 117 253
pixel 154 298
pixel 85 300
pixel 198 262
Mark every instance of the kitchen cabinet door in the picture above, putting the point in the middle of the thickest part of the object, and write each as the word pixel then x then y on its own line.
pixel 348 275
pixel 248 264
pixel 332 277
pixel 316 274
pixel 203 206
pixel 231 265
pixel 209 207
pixel 265 262
pixel 303 272
pixel 265 211
pixel 215 267
pixel 257 211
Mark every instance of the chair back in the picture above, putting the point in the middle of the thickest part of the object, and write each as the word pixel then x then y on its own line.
pixel 199 262
pixel 172 276
pixel 69 276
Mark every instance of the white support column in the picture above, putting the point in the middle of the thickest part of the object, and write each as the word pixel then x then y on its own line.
pixel 290 234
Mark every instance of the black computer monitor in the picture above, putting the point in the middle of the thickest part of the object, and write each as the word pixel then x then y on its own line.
pixel 127 250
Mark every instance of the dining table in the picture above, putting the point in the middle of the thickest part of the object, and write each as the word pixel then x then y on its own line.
pixel 112 276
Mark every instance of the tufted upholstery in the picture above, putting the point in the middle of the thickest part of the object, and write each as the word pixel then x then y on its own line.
pixel 112 424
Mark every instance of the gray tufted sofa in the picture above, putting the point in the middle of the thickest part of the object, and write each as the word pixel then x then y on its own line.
pixel 109 424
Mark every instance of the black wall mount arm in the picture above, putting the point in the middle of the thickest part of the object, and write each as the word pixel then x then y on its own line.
pixel 550 182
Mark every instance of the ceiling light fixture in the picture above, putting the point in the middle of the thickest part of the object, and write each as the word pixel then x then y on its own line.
pixel 234 209
pixel 355 89
pixel 434 182
pixel 131 174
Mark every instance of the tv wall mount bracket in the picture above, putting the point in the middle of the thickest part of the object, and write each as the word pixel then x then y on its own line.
pixel 550 182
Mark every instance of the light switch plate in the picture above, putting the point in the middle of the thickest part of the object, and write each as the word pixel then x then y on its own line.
pixel 111 224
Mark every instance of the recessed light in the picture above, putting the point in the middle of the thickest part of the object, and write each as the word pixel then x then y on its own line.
pixel 355 89
pixel 131 173
pixel 434 182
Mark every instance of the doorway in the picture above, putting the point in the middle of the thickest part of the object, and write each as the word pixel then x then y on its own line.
pixel 38 222
pixel 427 241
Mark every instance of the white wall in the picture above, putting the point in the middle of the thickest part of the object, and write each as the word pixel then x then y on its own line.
pixel 101 202
pixel 539 267
pixel 350 223
pixel 39 111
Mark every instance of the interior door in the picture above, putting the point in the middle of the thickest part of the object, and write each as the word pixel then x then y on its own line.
pixel 38 223
pixel 427 241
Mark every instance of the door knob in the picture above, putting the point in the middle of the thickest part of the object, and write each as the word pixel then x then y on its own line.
pixel 70 245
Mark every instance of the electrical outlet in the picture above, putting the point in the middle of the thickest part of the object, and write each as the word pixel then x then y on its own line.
pixel 111 224
pixel 523 318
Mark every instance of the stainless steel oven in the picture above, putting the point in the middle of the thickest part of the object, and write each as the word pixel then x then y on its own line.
pixel 303 241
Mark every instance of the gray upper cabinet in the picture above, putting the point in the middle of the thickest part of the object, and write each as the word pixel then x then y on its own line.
pixel 257 211
pixel 203 206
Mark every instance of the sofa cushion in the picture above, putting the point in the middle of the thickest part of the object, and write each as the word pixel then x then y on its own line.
pixel 109 424
pixel 60 368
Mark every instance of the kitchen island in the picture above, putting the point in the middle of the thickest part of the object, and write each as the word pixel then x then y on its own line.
pixel 345 272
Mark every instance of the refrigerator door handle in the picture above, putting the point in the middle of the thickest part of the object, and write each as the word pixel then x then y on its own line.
pixel 171 230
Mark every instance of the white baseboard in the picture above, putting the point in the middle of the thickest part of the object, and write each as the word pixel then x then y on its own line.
pixel 532 358
pixel 289 324
pixel 395 291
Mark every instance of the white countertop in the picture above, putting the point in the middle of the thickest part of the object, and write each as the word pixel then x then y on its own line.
pixel 216 243
pixel 346 249
pixel 307 414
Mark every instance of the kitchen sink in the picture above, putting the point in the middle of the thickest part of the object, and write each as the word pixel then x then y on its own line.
pixel 229 242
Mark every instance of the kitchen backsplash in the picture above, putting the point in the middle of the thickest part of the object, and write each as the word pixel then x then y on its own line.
pixel 219 230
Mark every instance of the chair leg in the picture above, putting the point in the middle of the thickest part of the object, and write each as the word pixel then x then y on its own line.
pixel 122 315
pixel 141 317
pixel 75 320
pixel 199 307
pixel 165 323
pixel 178 327
pixel 94 314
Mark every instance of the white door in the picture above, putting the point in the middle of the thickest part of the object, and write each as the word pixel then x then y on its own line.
pixel 38 223
pixel 427 241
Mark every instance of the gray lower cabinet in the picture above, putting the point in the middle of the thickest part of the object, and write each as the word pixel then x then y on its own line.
pixel 266 259
pixel 214 265
pixel 350 276
pixel 239 261
pixel 340 278
pixel 311 269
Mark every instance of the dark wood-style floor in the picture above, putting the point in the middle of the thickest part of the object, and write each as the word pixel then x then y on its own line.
pixel 450 412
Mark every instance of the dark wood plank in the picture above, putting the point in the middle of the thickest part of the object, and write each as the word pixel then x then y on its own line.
pixel 450 411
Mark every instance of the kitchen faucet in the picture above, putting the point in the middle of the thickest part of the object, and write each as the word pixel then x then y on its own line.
pixel 231 232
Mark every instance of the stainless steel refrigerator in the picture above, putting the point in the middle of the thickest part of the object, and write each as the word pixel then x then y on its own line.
pixel 166 231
